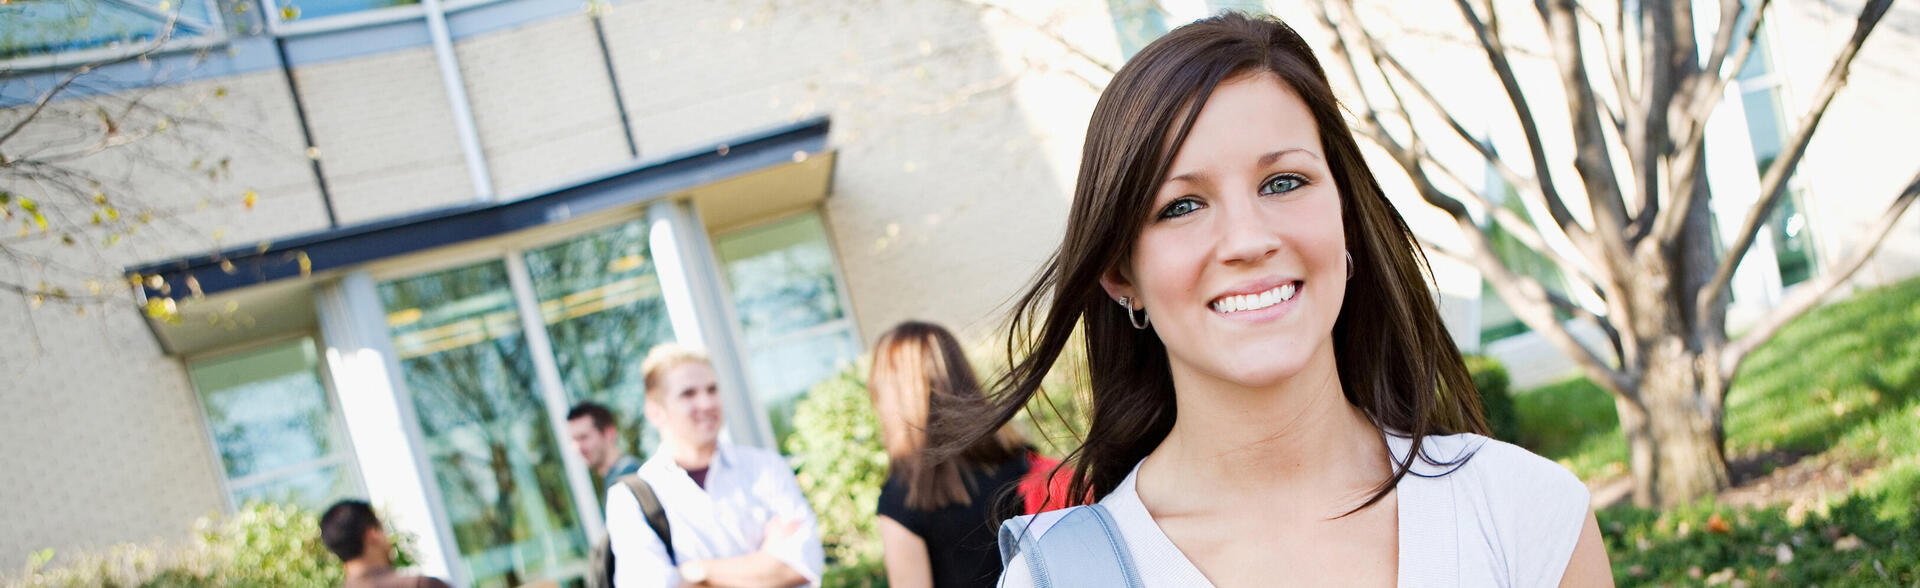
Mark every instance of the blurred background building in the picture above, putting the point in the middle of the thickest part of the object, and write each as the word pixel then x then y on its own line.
pixel 436 225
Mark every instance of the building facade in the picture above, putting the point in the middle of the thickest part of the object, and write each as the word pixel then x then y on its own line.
pixel 436 225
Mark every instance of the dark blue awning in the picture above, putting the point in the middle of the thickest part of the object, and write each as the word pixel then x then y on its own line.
pixel 354 245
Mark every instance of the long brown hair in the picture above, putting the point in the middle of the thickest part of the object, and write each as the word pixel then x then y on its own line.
pixel 1396 361
pixel 920 382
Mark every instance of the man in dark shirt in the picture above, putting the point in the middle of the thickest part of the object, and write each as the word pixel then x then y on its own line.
pixel 352 532
pixel 597 438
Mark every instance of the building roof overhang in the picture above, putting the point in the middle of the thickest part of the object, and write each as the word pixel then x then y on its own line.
pixel 279 272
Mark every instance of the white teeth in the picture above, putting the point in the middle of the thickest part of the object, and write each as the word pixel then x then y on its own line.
pixel 1244 302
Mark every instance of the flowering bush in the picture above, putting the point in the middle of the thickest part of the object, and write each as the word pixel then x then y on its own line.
pixel 261 545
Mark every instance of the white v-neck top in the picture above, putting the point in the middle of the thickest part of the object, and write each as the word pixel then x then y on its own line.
pixel 1503 517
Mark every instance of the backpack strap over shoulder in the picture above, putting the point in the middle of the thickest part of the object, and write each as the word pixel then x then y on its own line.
pixel 1079 546
pixel 651 509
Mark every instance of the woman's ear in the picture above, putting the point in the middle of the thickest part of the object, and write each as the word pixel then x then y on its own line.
pixel 1118 285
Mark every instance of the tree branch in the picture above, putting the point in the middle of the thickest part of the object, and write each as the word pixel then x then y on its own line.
pixel 1491 44
pixel 1581 312
pixel 1592 160
pixel 1774 183
pixel 1809 295
pixel 1616 67
pixel 1529 298
pixel 1723 39
pixel 1073 48
pixel 1697 109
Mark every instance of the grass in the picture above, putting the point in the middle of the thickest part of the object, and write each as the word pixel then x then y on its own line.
pixel 1842 384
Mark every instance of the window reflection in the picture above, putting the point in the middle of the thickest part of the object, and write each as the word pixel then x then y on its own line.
pixel 600 297
pixel 492 449
pixel 273 426
pixel 786 294
pixel 42 27
pixel 311 9
pixel 1767 128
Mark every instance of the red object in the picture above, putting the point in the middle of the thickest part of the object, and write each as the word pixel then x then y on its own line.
pixel 1043 494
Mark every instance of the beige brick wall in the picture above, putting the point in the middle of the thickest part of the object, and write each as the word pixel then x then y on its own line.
pixel 1861 157
pixel 103 435
pixel 542 103
pixel 948 190
pixel 386 134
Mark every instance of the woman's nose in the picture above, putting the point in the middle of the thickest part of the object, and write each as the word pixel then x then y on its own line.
pixel 1245 234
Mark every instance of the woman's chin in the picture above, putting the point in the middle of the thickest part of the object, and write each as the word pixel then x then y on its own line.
pixel 1260 372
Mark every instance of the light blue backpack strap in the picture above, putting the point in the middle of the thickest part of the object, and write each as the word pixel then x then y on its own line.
pixel 1070 548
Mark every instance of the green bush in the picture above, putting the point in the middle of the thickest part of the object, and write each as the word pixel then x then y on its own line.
pixel 837 454
pixel 836 451
pixel 263 545
pixel 1496 399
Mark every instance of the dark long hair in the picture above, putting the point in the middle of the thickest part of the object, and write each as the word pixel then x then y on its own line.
pixel 921 384
pixel 1396 361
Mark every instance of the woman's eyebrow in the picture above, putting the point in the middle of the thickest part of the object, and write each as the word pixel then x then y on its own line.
pixel 1197 176
pixel 1268 159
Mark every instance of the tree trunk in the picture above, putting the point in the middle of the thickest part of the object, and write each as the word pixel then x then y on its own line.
pixel 1677 433
pixel 1640 445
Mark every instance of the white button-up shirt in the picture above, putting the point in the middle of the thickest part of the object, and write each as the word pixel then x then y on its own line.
pixel 746 488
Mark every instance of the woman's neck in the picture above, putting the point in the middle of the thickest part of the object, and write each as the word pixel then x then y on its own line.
pixel 1297 437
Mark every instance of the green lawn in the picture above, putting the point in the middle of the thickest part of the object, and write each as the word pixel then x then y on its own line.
pixel 1842 384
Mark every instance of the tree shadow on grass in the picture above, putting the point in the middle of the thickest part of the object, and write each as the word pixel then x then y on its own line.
pixel 1829 372
pixel 1833 371
pixel 1853 542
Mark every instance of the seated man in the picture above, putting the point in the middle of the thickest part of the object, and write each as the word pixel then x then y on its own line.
pixel 350 531
pixel 735 514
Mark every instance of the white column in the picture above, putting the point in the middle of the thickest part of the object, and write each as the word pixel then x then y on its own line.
pixel 457 99
pixel 379 417
pixel 553 391
pixel 690 285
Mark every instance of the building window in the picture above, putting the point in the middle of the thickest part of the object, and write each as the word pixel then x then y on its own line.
pixel 44 27
pixel 1760 96
pixel 289 10
pixel 600 298
pixel 491 448
pixel 793 316
pixel 275 427
pixel 1136 23
pixel 1497 320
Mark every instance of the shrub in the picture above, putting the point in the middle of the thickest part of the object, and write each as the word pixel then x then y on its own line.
pixel 261 545
pixel 836 450
pixel 835 447
pixel 1496 399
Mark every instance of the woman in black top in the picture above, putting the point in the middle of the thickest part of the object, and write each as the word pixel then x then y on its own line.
pixel 938 517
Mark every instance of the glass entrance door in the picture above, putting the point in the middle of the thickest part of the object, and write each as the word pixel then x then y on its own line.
pixel 490 445
pixel 601 303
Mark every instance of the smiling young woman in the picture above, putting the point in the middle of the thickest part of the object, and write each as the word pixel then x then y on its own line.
pixel 1275 367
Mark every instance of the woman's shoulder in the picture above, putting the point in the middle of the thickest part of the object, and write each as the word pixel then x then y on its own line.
pixel 1523 511
pixel 1487 461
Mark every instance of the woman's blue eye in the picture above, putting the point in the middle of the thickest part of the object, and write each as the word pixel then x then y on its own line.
pixel 1179 208
pixel 1283 183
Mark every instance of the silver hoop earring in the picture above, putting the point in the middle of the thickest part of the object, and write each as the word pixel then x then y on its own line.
pixel 1349 264
pixel 1138 323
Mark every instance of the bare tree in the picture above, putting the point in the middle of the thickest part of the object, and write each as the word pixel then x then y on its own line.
pixel 1647 254
pixel 89 163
